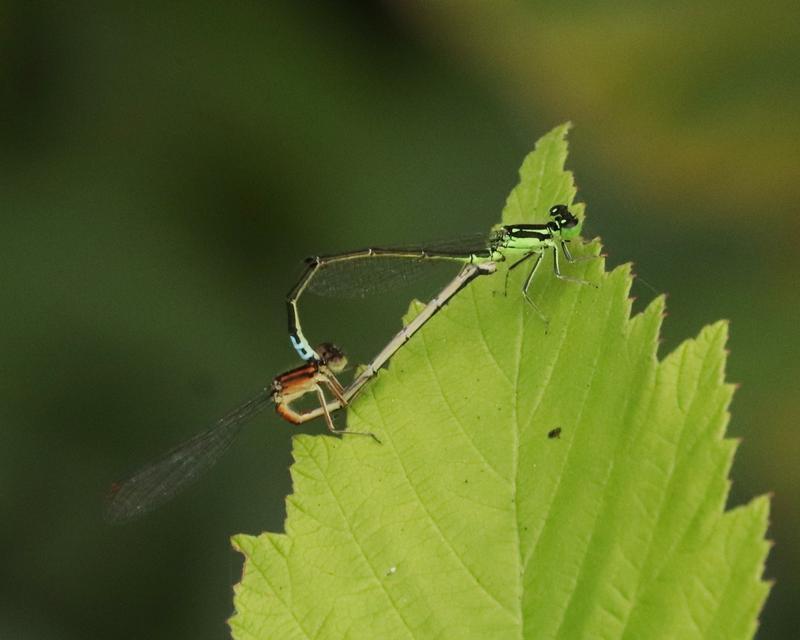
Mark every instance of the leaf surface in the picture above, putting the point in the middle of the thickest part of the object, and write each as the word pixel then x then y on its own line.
pixel 473 520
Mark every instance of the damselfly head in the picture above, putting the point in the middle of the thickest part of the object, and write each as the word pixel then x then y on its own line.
pixel 332 356
pixel 563 216
pixel 567 222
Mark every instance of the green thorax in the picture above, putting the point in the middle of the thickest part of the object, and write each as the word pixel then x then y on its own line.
pixel 534 238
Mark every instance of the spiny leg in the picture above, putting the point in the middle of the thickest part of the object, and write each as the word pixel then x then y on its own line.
pixel 527 285
pixel 335 387
pixel 514 266
pixel 289 414
pixel 561 276
pixel 329 420
pixel 569 257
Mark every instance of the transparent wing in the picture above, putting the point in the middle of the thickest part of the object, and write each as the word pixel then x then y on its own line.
pixel 472 243
pixel 162 480
pixel 361 276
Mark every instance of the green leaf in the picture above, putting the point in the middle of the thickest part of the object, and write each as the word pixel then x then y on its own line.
pixel 542 182
pixel 469 521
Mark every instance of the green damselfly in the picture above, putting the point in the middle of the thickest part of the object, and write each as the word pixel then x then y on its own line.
pixel 517 242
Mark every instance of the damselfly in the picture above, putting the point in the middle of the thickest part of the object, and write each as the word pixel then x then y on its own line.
pixel 332 274
pixel 162 480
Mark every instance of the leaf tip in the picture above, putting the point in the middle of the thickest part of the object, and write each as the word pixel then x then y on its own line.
pixel 716 336
pixel 658 306
pixel 242 542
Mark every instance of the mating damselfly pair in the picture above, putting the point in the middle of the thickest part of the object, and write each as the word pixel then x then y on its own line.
pixel 160 481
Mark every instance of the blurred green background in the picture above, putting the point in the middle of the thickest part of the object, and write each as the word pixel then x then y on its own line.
pixel 164 169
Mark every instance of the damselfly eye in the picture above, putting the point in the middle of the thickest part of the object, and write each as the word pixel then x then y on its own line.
pixel 332 355
pixel 563 216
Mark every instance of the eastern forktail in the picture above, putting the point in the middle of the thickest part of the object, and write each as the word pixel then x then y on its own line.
pixel 325 274
pixel 162 480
